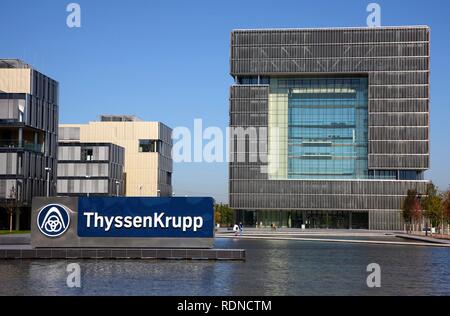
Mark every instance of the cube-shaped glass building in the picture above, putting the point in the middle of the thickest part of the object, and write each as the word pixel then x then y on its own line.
pixel 329 127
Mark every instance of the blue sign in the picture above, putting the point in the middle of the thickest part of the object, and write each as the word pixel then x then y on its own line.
pixel 145 217
pixel 53 220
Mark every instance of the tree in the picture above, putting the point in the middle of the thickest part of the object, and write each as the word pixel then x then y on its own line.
pixel 417 214
pixel 446 207
pixel 223 215
pixel 217 214
pixel 432 206
pixel 11 206
pixel 411 208
pixel 434 211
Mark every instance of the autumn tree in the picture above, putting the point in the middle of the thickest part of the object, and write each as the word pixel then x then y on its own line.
pixel 446 208
pixel 217 214
pixel 411 209
pixel 223 215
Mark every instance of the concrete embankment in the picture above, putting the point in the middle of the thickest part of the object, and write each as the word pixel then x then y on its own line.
pixel 18 247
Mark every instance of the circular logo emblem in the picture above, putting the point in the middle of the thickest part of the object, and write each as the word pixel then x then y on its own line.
pixel 53 220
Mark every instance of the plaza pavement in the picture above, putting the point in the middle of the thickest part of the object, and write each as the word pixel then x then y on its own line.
pixel 334 235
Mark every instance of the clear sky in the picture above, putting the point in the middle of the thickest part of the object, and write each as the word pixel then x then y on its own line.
pixel 169 60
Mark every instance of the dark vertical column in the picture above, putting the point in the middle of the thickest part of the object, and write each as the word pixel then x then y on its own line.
pixel 350 220
pixel 20 137
pixel 35 141
pixel 238 216
pixel 17 221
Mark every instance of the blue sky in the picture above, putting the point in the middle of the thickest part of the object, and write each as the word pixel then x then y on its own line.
pixel 169 60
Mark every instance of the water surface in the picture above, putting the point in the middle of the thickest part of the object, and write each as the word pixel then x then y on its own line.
pixel 271 268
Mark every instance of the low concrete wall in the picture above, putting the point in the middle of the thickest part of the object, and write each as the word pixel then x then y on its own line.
pixel 122 253
pixel 21 239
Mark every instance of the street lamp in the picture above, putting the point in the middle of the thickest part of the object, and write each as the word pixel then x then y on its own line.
pixel 117 187
pixel 88 184
pixel 47 170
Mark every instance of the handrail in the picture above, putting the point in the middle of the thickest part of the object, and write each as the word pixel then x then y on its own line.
pixel 15 143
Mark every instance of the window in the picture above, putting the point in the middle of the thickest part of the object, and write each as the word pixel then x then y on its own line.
pixel 21 110
pixel 383 174
pixel 326 122
pixel 248 80
pixel 264 80
pixel 411 175
pixel 149 146
pixel 253 80
pixel 396 174
pixel 87 154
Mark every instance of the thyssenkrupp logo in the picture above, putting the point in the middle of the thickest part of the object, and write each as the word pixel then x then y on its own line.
pixel 53 220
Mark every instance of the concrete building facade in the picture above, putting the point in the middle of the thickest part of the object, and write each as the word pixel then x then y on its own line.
pixel 28 138
pixel 148 146
pixel 342 125
pixel 87 169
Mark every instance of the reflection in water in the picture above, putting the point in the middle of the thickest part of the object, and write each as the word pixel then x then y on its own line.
pixel 272 268
pixel 48 276
pixel 278 259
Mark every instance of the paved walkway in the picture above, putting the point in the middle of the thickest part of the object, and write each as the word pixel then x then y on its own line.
pixel 424 238
pixel 350 241
pixel 310 232
pixel 341 236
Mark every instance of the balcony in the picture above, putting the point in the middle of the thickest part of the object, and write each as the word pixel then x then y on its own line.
pixel 26 145
pixel 22 138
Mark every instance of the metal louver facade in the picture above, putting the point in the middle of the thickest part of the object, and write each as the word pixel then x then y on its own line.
pixel 396 63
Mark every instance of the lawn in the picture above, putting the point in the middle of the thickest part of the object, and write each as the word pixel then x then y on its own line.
pixel 6 232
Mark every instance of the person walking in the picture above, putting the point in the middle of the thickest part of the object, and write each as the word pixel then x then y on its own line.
pixel 236 229
pixel 241 228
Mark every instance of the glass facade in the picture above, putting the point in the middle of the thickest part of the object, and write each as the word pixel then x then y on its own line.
pixel 326 124
pixel 308 219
